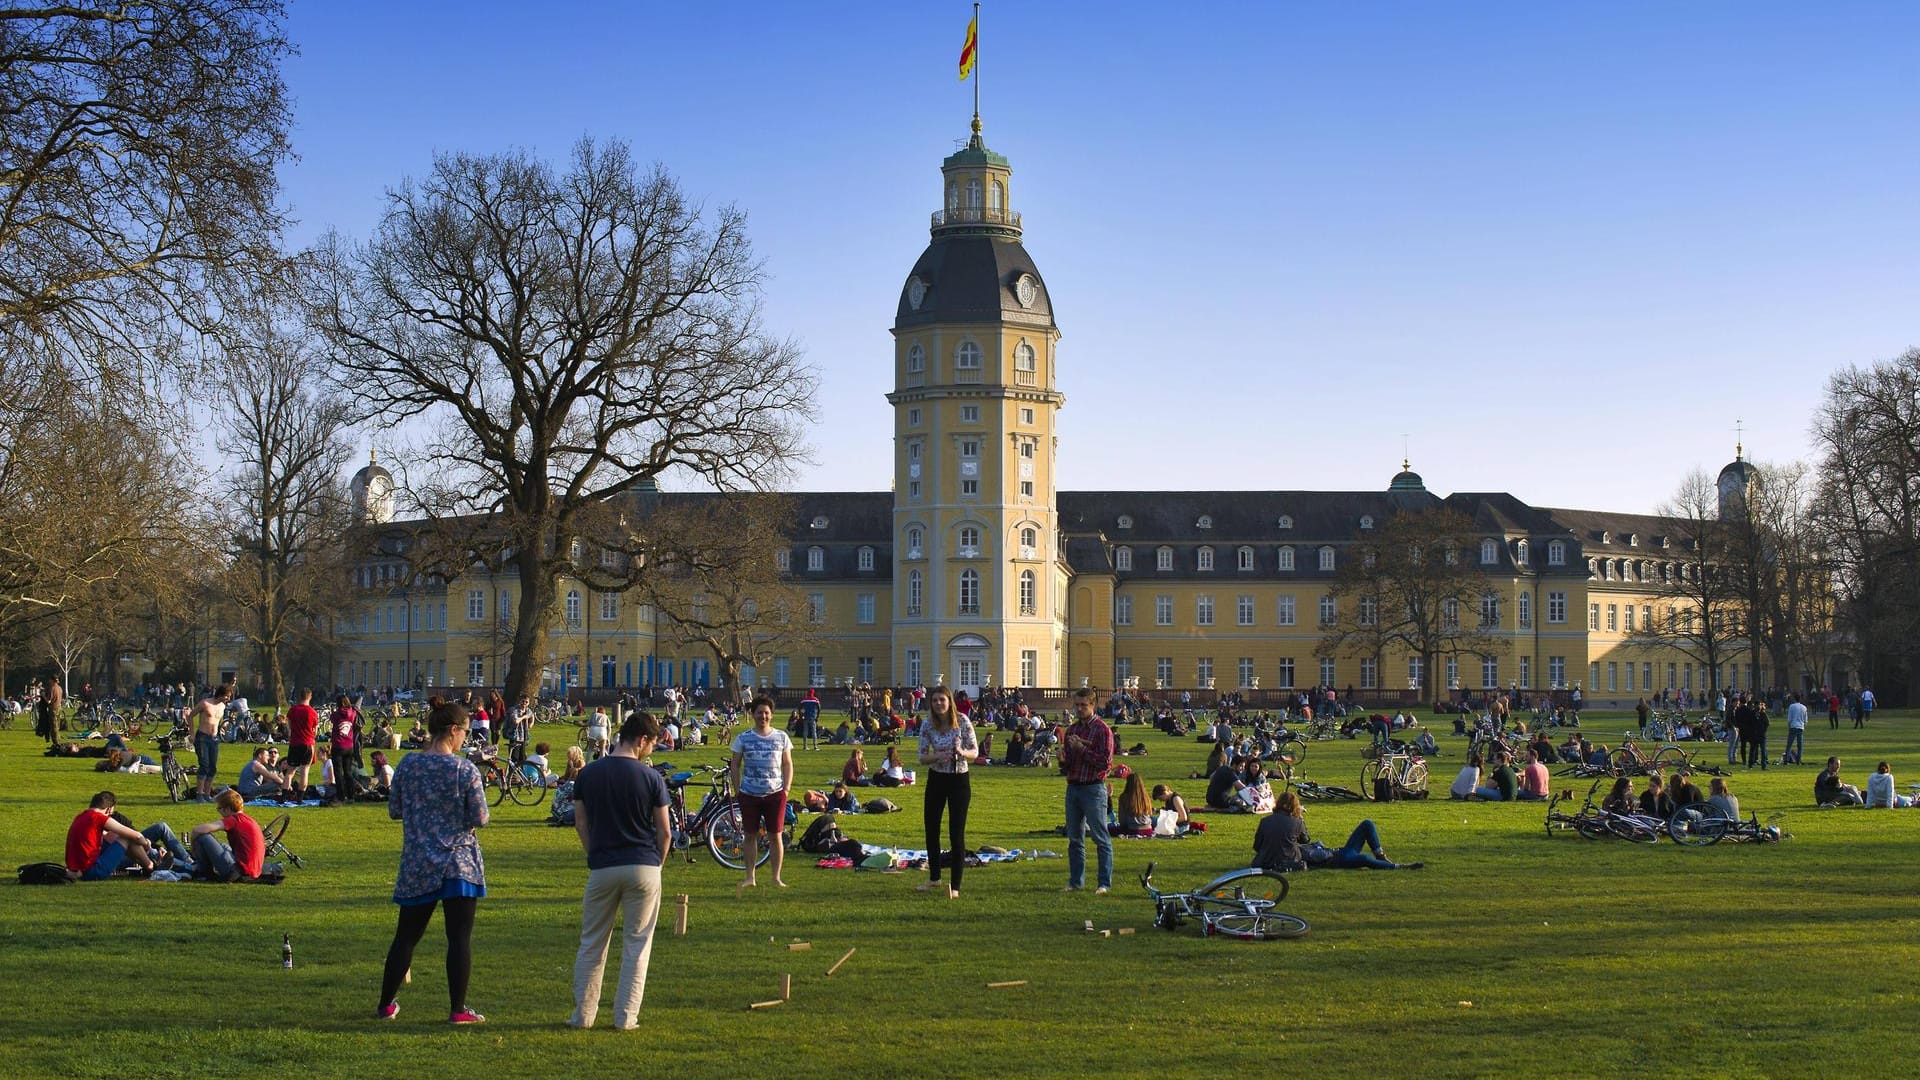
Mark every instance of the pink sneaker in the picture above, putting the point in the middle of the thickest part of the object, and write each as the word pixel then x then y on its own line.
pixel 466 1016
pixel 388 1011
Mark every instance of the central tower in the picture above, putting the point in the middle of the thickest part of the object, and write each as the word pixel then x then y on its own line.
pixel 979 582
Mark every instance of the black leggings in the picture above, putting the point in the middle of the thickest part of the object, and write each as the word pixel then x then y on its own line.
pixel 951 791
pixel 413 924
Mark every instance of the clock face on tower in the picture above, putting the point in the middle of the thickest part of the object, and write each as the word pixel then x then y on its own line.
pixel 1025 290
pixel 916 292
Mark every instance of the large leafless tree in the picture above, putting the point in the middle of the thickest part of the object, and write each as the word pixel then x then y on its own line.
pixel 565 335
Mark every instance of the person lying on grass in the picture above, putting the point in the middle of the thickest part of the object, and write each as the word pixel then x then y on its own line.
pixel 1281 844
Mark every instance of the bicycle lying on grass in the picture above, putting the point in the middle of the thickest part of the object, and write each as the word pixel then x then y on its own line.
pixel 1595 822
pixel 274 835
pixel 1307 789
pixel 1700 824
pixel 1237 904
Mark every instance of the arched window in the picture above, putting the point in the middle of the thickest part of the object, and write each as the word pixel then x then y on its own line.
pixel 913 592
pixel 914 536
pixel 1024 359
pixel 1123 559
pixel 816 558
pixel 866 558
pixel 1244 558
pixel 1326 558
pixel 1285 522
pixel 997 195
pixel 1557 553
pixel 953 195
pixel 969 541
pixel 1203 559
pixel 1286 558
pixel 916 359
pixel 573 607
pixel 1520 553
pixel 1489 552
pixel 1029 539
pixel 1163 558
pixel 1028 603
pixel 967 357
pixel 969 592
pixel 973 193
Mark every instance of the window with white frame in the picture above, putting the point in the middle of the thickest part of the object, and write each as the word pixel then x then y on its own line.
pixel 969 449
pixel 1453 671
pixel 609 606
pixel 1556 607
pixel 1286 558
pixel 783 560
pixel 476 605
pixel 863 668
pixel 506 605
pixel 816 607
pixel 863 608
pixel 865 558
pixel 1123 559
pixel 966 357
pixel 1203 559
pixel 1163 670
pixel 573 607
pixel 1029 603
pixel 1369 611
pixel 1326 558
pixel 913 592
pixel 969 414
pixel 916 359
pixel 816 671
pixel 1025 365
pixel 782 671
pixel 1286 616
pixel 816 558
pixel 1593 676
pixel 1627 624
pixel 1613 618
pixel 1520 553
pixel 1489 671
pixel 1029 666
pixel 914 538
pixel 913 417
pixel 969 592
pixel 1327 671
pixel 1523 610
pixel 969 541
pixel 1369 673
pixel 1243 609
pixel 1593 616
pixel 1416 672
pixel 1557 553
pixel 1245 665
pixel 1526 672
pixel 1329 611
pixel 1123 611
pixel 1029 542
pixel 913 667
pixel 1026 417
pixel 1286 672
pixel 1244 559
pixel 1203 610
pixel 1163 610
pixel 1613 677
pixel 476 670
pixel 1646 617
pixel 1489 611
pixel 1556 671
pixel 1628 684
pixel 1163 558
pixel 1450 613
pixel 1489 552
pixel 1122 670
pixel 1203 671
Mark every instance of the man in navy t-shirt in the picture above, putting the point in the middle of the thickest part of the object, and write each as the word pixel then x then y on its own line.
pixel 810 721
pixel 620 813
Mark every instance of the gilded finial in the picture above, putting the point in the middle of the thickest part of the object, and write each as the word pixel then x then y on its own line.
pixel 976 124
pixel 373 455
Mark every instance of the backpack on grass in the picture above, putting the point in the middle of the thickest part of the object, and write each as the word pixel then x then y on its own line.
pixel 46 873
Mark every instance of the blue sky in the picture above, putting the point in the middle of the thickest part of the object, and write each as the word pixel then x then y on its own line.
pixel 1562 247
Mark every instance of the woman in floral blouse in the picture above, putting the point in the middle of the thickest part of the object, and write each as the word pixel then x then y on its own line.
pixel 437 795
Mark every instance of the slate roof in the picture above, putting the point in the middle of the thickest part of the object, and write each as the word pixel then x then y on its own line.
pixel 970 279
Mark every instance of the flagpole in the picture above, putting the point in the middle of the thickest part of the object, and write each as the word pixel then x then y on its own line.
pixel 976 67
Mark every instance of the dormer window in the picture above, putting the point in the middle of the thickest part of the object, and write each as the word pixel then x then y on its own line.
pixel 816 559
pixel 1123 559
pixel 1606 537
pixel 1285 522
pixel 1244 559
pixel 1326 558
pixel 1163 558
pixel 1366 521
pixel 818 523
pixel 1203 559
pixel 1520 553
pixel 866 558
pixel 1557 553
pixel 1125 522
pixel 1633 539
pixel 1489 552
pixel 1286 558
pixel 1205 522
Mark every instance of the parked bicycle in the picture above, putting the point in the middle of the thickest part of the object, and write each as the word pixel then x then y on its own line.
pixel 1631 759
pixel 276 846
pixel 523 783
pixel 1406 769
pixel 716 821
pixel 1237 904
pixel 1700 824
pixel 179 782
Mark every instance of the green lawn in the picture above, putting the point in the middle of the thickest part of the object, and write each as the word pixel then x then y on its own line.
pixel 1513 952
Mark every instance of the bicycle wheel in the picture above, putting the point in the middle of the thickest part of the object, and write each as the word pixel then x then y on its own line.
pixel 529 787
pixel 275 829
pixel 1251 884
pixel 1634 832
pixel 1415 780
pixel 1293 751
pixel 492 779
pixel 1697 825
pixel 727 841
pixel 1371 771
pixel 1621 763
pixel 175 775
pixel 1591 827
pixel 1258 926
pixel 1670 759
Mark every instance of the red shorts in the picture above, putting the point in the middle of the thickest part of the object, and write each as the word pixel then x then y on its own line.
pixel 763 813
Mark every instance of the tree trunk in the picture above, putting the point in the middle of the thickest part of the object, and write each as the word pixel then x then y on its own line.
pixel 524 658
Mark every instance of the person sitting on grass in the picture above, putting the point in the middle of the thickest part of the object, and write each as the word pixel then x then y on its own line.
pixel 576 760
pixel 1505 786
pixel 1880 793
pixel 248 854
pixel 841 800
pixel 100 842
pixel 893 772
pixel 1136 813
pixel 1656 801
pixel 1171 800
pixel 1574 750
pixel 382 776
pixel 854 772
pixel 1685 791
pixel 1535 784
pixel 1597 755
pixel 1620 800
pixel 1830 790
pixel 259 777
pixel 1724 802
pixel 538 759
pixel 1281 844
pixel 1222 786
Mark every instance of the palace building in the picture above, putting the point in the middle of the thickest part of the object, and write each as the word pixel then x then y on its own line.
pixel 977 570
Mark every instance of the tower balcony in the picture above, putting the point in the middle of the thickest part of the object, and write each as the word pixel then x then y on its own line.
pixel 962 216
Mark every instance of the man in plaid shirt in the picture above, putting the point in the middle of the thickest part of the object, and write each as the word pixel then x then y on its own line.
pixel 1088 755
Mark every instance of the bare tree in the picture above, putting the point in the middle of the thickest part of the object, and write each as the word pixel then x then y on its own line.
pixel 286 510
pixel 568 336
pixel 138 146
pixel 1779 553
pixel 65 642
pixel 1701 596
pixel 716 584
pixel 1869 432
pixel 1412 587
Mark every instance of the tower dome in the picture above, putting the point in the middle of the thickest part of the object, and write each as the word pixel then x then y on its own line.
pixel 1406 479
pixel 372 490
pixel 1734 482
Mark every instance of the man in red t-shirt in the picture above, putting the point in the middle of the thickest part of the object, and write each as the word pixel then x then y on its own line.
pixel 248 854
pixel 98 844
pixel 302 725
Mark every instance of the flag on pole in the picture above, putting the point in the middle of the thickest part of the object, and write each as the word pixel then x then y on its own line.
pixel 968 50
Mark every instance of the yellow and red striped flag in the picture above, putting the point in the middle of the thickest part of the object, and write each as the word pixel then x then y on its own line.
pixel 970 49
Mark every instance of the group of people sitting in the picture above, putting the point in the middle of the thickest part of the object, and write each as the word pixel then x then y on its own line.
pixel 892 773
pixel 1504 783
pixel 102 841
pixel 1660 799
pixel 1830 790
pixel 268 777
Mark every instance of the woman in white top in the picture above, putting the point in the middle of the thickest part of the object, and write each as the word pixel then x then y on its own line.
pixel 892 772
pixel 1468 781
pixel 947 745
pixel 1725 803
pixel 1880 794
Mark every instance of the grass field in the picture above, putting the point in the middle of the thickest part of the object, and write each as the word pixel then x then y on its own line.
pixel 1513 953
